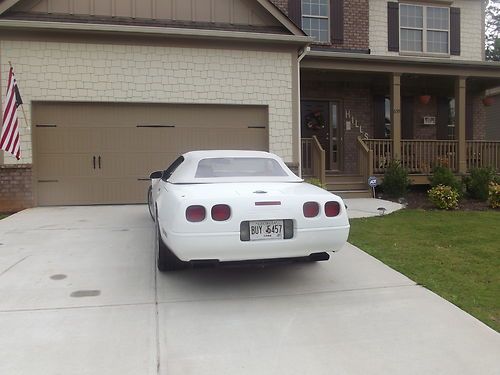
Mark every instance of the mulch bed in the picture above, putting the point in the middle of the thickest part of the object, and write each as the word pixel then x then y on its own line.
pixel 416 198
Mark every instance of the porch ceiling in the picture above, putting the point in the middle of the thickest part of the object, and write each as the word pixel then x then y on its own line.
pixel 350 62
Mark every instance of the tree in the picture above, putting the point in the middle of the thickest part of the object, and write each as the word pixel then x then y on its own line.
pixel 493 30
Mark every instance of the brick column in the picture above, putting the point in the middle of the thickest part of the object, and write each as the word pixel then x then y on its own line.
pixel 396 115
pixel 460 97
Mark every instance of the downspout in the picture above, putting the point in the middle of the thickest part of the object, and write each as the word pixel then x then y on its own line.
pixel 302 54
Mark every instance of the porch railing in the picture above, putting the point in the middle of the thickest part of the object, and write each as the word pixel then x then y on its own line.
pixel 382 153
pixel 313 158
pixel 420 156
pixel 365 159
pixel 483 154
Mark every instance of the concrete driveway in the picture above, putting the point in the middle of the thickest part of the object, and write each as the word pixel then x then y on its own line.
pixel 79 295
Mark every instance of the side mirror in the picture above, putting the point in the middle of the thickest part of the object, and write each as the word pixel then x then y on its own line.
pixel 156 175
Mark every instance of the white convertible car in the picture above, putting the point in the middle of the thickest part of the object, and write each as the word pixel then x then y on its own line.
pixel 233 206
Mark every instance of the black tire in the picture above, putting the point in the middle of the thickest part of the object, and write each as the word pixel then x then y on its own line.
pixel 166 260
pixel 151 206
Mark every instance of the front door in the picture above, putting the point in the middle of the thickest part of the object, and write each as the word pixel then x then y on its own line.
pixel 322 119
pixel 336 137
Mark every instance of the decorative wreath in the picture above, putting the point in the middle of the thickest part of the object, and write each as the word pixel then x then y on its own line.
pixel 315 120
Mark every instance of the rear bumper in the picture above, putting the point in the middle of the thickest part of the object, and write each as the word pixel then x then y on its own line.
pixel 227 247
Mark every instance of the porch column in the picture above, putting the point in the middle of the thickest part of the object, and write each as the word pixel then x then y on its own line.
pixel 460 97
pixel 396 115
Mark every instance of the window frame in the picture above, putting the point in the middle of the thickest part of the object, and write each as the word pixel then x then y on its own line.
pixel 327 17
pixel 424 30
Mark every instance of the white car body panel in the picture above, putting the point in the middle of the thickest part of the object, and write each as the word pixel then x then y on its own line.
pixel 220 240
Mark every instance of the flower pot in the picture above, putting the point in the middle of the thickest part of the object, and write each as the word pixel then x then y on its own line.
pixel 424 99
pixel 488 101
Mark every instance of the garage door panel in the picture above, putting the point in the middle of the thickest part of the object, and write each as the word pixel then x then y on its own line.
pixel 70 191
pixel 53 166
pixel 125 191
pixel 130 141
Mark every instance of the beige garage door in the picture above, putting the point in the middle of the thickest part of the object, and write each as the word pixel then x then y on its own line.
pixel 89 153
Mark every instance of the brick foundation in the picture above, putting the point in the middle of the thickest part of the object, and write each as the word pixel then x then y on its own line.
pixel 16 187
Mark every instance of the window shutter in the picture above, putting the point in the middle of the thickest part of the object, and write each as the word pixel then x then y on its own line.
pixel 337 21
pixel 455 31
pixel 379 117
pixel 295 12
pixel 393 26
pixel 442 117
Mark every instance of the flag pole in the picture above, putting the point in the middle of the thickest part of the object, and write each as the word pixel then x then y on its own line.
pixel 22 108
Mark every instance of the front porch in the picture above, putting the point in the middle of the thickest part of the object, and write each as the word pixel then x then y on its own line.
pixel 357 117
pixel 419 157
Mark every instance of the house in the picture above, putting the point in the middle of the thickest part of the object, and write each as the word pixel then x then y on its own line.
pixel 114 89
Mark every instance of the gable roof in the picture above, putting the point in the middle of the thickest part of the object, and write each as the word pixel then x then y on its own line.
pixel 266 5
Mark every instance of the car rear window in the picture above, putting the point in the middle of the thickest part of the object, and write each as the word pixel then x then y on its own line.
pixel 238 167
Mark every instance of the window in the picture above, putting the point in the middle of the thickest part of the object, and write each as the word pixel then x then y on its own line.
pixel 315 21
pixel 238 167
pixel 424 29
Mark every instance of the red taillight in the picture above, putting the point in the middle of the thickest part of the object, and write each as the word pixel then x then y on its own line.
pixel 195 214
pixel 332 209
pixel 310 209
pixel 221 212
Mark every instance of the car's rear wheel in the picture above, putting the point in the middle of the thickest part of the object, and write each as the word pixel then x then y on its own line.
pixel 166 260
pixel 151 206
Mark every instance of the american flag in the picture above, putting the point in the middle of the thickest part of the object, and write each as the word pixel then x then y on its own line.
pixel 9 140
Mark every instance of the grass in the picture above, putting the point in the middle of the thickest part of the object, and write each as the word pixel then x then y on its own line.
pixel 3 216
pixel 454 254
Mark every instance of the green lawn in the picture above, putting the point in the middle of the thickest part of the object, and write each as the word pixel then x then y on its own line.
pixel 455 254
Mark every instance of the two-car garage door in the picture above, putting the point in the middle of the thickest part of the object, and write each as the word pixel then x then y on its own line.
pixel 100 153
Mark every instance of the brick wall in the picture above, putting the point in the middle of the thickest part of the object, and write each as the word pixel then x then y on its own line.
pixel 421 131
pixel 16 187
pixel 478 118
pixel 354 98
pixel 356 19
pixel 356 25
pixel 282 5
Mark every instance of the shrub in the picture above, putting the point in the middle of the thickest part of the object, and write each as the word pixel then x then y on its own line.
pixel 477 184
pixel 396 180
pixel 315 181
pixel 443 197
pixel 442 175
pixel 494 195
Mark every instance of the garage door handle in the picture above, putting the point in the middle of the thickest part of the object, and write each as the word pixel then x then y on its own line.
pixel 93 161
pixel 99 161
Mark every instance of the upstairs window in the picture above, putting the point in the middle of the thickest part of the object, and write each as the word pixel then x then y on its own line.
pixel 424 29
pixel 315 19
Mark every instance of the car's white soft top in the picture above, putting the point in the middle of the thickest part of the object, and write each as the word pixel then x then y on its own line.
pixel 186 172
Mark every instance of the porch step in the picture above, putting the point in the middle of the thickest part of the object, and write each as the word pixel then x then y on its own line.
pixel 347 185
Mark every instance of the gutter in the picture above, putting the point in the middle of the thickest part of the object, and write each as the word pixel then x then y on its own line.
pixel 162 31
pixel 413 60
pixel 302 54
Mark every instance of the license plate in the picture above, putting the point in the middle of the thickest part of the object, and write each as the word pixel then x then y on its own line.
pixel 266 230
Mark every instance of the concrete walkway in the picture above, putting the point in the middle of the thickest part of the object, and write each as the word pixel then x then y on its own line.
pixel 367 207
pixel 79 294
